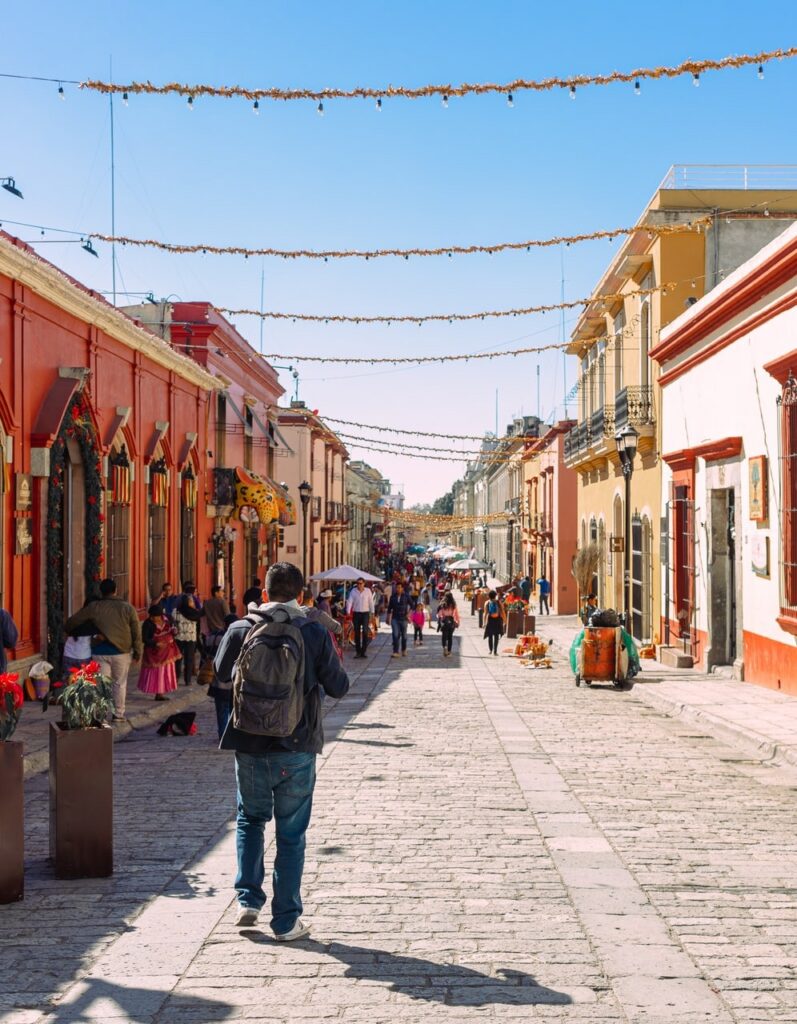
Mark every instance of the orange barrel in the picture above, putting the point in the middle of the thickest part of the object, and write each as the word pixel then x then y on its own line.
pixel 599 652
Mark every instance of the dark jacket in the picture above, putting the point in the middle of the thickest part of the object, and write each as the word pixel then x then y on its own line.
pixel 399 607
pixel 115 619
pixel 323 673
pixel 8 637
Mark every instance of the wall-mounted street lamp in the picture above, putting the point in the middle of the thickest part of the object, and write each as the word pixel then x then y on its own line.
pixel 305 490
pixel 627 440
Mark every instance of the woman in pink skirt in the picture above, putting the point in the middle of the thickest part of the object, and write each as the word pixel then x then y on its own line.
pixel 160 653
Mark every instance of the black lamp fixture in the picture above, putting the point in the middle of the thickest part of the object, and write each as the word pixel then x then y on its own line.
pixel 626 441
pixel 89 248
pixel 11 186
pixel 305 490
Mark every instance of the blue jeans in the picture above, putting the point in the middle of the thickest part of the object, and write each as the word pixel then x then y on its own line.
pixel 223 702
pixel 278 785
pixel 399 630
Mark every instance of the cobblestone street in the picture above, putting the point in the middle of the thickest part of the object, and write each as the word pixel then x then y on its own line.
pixel 487 842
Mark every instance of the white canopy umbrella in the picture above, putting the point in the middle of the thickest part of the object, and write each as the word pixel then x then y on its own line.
pixel 345 574
pixel 467 565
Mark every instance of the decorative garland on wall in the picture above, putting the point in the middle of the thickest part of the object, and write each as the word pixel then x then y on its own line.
pixel 76 426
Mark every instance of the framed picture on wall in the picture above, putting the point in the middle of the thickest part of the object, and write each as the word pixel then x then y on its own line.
pixel 757 475
pixel 24 496
pixel 759 554
pixel 24 536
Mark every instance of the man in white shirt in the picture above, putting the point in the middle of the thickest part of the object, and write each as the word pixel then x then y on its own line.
pixel 361 606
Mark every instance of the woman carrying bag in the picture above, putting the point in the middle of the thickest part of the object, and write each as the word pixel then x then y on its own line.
pixel 447 622
pixel 493 621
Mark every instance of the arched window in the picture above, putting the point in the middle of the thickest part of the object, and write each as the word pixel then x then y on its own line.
pixel 188 524
pixel 158 524
pixel 118 526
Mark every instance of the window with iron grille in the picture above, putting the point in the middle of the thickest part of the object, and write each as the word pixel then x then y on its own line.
pixel 252 552
pixel 187 543
pixel 788 483
pixel 118 541
pixel 221 431
pixel 315 507
pixel 248 438
pixel 157 548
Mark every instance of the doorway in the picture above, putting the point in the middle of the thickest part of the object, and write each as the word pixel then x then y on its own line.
pixel 723 578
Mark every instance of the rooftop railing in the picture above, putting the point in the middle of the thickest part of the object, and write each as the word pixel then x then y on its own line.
pixel 731 176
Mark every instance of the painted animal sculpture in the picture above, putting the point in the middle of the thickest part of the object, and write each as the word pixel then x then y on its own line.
pixel 257 494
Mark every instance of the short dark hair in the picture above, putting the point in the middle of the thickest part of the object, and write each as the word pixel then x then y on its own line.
pixel 164 585
pixel 155 609
pixel 361 580
pixel 188 585
pixel 108 587
pixel 284 582
pixel 492 595
pixel 256 582
pixel 216 589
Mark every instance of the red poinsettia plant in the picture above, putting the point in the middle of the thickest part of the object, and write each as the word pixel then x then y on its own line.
pixel 87 699
pixel 515 604
pixel 11 698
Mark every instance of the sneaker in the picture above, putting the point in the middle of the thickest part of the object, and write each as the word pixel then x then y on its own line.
pixel 395 654
pixel 247 917
pixel 299 930
pixel 403 654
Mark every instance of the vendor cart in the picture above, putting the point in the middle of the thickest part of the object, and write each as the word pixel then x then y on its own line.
pixel 601 656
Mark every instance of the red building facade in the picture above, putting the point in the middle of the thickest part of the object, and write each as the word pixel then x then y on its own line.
pixel 117 445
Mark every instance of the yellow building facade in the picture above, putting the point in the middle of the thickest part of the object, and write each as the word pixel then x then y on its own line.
pixel 650 281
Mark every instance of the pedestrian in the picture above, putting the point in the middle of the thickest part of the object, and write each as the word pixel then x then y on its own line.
pixel 187 617
pixel 77 646
pixel 447 622
pixel 419 618
pixel 544 587
pixel 216 611
pixel 361 606
pixel 157 674
pixel 254 594
pixel 118 639
pixel 314 614
pixel 493 621
pixel 221 692
pixel 276 775
pixel 525 588
pixel 398 610
pixel 9 635
pixel 323 601
pixel 168 599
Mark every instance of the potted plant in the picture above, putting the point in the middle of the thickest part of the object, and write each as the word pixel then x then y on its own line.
pixel 515 609
pixel 81 777
pixel 12 807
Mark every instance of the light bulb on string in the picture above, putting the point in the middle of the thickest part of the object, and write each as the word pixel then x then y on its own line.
pixel 256 107
pixel 637 88
pixel 695 80
pixel 379 103
pixel 761 71
pixel 190 102
pixel 510 100
pixel 125 98
pixel 444 101
pixel 572 92
pixel 61 93
pixel 320 109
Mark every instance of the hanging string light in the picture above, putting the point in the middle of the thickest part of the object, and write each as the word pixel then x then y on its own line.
pixel 334 318
pixel 696 224
pixel 447 91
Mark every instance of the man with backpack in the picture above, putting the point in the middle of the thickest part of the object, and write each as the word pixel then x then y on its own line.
pixel 281 665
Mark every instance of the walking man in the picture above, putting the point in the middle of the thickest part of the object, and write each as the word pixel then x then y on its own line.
pixel 361 606
pixel 545 592
pixel 276 776
pixel 398 610
pixel 8 637
pixel 120 643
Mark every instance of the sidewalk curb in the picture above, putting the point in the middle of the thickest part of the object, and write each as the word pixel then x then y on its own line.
pixel 39 760
pixel 747 740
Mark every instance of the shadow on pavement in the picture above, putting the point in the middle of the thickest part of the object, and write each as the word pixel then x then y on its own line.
pixel 98 1000
pixel 450 984
pixel 374 743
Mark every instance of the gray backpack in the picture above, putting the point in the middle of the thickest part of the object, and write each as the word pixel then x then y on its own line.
pixel 268 677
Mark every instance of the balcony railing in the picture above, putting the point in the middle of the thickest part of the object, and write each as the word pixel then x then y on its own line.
pixel 731 176
pixel 633 405
pixel 601 423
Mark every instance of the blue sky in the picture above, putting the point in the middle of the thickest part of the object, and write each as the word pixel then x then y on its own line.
pixel 414 174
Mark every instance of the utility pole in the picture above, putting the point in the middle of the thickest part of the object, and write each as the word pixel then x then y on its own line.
pixel 564 354
pixel 113 197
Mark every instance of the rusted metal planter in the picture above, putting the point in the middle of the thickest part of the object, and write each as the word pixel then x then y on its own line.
pixel 514 624
pixel 81 801
pixel 529 623
pixel 12 822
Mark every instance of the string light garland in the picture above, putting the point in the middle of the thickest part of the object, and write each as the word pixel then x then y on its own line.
pixel 446 92
pixel 333 318
pixel 417 455
pixel 205 248
pixel 406 444
pixel 417 433
pixel 418 360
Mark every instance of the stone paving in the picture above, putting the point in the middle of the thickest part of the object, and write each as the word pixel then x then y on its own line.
pixel 488 842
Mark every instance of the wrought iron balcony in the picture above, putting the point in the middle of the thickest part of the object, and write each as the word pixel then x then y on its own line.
pixel 634 405
pixel 601 423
